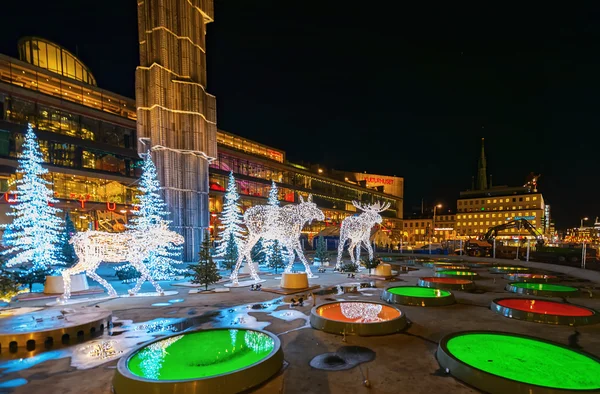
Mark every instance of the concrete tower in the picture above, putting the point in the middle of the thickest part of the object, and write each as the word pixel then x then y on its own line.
pixel 176 117
pixel 481 169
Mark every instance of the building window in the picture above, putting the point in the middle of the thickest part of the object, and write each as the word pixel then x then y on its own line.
pixel 495 201
pixel 534 198
pixel 526 198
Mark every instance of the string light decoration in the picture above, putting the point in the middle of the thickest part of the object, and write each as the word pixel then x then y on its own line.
pixel 231 219
pixel 357 229
pixel 152 211
pixel 269 248
pixel 133 246
pixel 34 234
pixel 361 311
pixel 282 224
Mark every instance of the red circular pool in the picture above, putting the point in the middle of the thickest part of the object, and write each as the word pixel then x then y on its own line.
pixel 447 280
pixel 535 276
pixel 544 307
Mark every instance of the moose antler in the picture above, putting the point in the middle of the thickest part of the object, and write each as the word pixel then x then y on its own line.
pixel 377 207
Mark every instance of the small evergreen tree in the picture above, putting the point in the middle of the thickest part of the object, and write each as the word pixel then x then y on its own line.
pixel 9 286
pixel 66 248
pixel 277 259
pixel 231 219
pixel 231 254
pixel 268 246
pixel 206 271
pixel 321 253
pixel 258 253
pixel 31 275
pixel 127 273
pixel 33 235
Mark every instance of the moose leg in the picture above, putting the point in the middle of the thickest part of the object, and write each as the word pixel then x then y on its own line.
pixel 367 243
pixel 291 257
pixel 245 249
pixel 250 263
pixel 338 263
pixel 66 274
pixel 144 276
pixel 298 249
pixel 93 275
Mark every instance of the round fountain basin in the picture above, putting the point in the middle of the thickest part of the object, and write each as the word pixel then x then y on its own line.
pixel 215 360
pixel 357 318
pixel 451 267
pixel 533 278
pixel 498 269
pixel 417 296
pixel 432 264
pixel 497 362
pixel 542 311
pixel 479 264
pixel 542 289
pixel 455 273
pixel 446 283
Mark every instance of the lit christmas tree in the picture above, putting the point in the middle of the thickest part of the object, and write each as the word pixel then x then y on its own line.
pixel 231 220
pixel 151 212
pixel 34 234
pixel 269 247
pixel 66 248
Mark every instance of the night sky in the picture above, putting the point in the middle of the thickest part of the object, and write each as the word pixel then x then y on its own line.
pixel 397 91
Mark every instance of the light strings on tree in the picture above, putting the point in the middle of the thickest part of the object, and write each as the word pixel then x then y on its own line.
pixel 151 211
pixel 133 246
pixel 231 219
pixel 357 229
pixel 282 224
pixel 34 234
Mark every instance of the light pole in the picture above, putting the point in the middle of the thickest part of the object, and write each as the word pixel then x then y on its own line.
pixel 582 220
pixel 433 224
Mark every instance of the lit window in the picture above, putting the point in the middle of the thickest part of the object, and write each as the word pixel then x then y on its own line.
pixel 506 215
pixel 469 223
pixel 470 216
pixel 533 222
pixel 501 208
pixel 526 198
pixel 533 214
pixel 514 207
pixel 493 215
pixel 488 201
pixel 495 201
pixel 481 223
pixel 487 223
pixel 493 223
pixel 534 198
pixel 458 224
pixel 487 215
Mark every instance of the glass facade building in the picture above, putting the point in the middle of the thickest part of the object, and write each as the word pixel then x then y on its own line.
pixel 87 135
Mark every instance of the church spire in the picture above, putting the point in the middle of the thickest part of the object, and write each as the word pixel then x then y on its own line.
pixel 482 170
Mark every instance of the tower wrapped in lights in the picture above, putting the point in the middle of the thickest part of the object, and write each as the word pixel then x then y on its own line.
pixel 282 224
pixel 357 230
pixel 34 234
pixel 151 212
pixel 231 219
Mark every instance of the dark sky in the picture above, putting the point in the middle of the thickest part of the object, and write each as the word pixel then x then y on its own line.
pixel 398 91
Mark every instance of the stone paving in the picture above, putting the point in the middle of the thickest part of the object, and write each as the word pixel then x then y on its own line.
pixel 404 362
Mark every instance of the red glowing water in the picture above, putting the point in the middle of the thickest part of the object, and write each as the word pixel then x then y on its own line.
pixel 447 280
pixel 544 307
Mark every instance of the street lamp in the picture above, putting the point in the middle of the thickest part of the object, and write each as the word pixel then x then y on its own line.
pixel 433 224
pixel 582 220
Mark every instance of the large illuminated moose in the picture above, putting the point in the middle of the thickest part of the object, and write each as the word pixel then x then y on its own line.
pixel 282 224
pixel 94 247
pixel 357 230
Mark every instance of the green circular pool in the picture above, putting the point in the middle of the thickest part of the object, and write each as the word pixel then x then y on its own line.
pixel 542 289
pixel 200 354
pixel 452 273
pixel 415 291
pixel 522 359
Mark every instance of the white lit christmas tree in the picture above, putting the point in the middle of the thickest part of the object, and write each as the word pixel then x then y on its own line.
pixel 272 250
pixel 150 212
pixel 34 234
pixel 231 219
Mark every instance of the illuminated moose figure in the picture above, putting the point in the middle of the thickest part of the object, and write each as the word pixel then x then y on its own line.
pixel 282 224
pixel 94 247
pixel 357 229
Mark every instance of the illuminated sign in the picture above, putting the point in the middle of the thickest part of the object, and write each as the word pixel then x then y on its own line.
pixel 444 229
pixel 522 217
pixel 383 181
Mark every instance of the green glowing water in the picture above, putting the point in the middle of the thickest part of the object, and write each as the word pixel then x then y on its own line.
pixel 543 286
pixel 527 360
pixel 200 354
pixel 456 273
pixel 423 292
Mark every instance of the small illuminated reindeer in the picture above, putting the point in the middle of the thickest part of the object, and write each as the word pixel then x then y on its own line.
pixel 357 230
pixel 283 224
pixel 94 247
